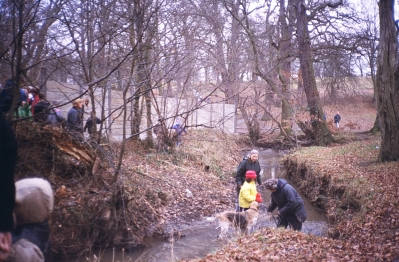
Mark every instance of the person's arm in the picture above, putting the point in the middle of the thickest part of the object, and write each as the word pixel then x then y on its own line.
pixel 258 175
pixel 246 194
pixel 239 173
pixel 272 206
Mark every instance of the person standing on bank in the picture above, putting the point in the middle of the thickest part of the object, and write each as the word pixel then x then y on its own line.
pixel 74 119
pixel 337 118
pixel 250 163
pixel 291 209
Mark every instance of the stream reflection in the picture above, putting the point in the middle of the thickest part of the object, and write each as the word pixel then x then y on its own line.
pixel 200 238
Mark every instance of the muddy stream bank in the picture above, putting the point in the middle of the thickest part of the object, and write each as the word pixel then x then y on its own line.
pixel 200 238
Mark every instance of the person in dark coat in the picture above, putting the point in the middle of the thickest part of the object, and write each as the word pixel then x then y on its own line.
pixel 291 209
pixel 179 130
pixel 250 163
pixel 41 109
pixel 74 119
pixel 8 159
pixel 89 124
pixel 14 247
pixel 337 118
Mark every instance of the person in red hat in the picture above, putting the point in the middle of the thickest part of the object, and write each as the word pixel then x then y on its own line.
pixel 248 192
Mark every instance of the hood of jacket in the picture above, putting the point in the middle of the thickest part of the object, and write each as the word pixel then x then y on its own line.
pixel 281 184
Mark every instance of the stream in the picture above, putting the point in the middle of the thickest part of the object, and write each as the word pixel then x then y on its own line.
pixel 200 238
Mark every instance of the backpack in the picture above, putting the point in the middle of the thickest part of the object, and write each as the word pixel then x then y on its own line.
pixel 244 159
pixel 7 95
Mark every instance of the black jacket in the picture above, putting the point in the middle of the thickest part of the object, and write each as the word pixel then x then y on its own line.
pixel 41 111
pixel 288 201
pixel 89 124
pixel 8 158
pixel 337 118
pixel 243 167
pixel 74 120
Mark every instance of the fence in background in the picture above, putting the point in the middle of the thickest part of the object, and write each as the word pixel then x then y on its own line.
pixel 201 114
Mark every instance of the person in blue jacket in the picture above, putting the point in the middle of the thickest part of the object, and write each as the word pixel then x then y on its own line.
pixel 179 130
pixel 291 209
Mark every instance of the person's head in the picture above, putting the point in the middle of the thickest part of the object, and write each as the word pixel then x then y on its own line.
pixel 253 155
pixel 250 175
pixel 77 103
pixel 271 184
pixel 86 101
pixel 33 90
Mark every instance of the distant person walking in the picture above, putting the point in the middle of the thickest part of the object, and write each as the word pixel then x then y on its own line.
pixel 179 130
pixel 337 118
pixel 90 124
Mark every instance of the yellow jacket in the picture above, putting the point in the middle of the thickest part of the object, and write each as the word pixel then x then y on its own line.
pixel 247 194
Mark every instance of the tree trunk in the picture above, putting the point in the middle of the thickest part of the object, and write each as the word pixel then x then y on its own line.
pixel 285 68
pixel 322 133
pixel 387 111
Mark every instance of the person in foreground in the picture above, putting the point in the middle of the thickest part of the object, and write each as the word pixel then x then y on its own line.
pixel 8 158
pixel 25 207
pixel 291 209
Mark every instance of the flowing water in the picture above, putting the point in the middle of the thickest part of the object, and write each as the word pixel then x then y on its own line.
pixel 200 238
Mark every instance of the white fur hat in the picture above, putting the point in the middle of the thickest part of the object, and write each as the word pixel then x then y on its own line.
pixel 271 183
pixel 34 200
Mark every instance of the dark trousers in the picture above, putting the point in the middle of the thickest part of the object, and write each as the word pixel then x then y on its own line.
pixel 291 220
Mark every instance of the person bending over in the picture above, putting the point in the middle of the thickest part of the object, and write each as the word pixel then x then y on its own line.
pixel 291 209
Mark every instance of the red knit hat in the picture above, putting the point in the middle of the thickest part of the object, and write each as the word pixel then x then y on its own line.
pixel 250 174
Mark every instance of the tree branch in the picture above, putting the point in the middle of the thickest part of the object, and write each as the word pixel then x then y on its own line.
pixel 323 6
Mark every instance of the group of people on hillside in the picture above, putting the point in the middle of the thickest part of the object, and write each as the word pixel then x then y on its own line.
pixel 291 208
pixel 25 207
pixel 32 104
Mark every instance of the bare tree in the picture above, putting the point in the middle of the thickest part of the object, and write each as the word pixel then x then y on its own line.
pixel 386 63
pixel 25 26
pixel 320 130
pixel 264 65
